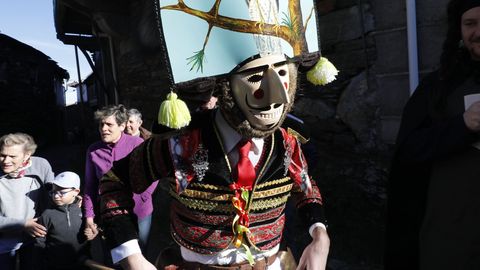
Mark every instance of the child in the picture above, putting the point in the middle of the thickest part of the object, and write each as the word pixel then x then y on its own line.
pixel 65 242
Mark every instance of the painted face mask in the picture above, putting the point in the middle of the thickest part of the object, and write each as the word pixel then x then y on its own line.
pixel 261 90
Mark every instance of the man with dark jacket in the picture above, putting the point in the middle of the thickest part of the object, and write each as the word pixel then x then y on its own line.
pixel 433 208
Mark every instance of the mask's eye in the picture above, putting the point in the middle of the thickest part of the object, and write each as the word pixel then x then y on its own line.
pixel 255 78
pixel 282 72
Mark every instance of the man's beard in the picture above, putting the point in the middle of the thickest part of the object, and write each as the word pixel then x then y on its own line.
pixel 235 117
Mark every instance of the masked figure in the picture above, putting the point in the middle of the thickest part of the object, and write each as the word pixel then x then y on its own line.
pixel 227 175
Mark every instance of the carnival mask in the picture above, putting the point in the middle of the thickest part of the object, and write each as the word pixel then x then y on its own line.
pixel 261 90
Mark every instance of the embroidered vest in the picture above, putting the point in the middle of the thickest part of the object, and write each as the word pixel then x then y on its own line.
pixel 202 213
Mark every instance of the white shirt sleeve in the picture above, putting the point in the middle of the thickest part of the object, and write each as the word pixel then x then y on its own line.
pixel 316 225
pixel 124 250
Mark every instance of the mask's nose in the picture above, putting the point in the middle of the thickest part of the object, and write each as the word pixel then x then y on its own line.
pixel 272 90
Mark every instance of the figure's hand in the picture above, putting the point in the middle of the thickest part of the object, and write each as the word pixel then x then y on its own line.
pixel 472 117
pixel 91 229
pixel 315 254
pixel 34 229
pixel 136 262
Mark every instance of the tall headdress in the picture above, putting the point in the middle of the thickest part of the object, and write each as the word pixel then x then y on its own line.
pixel 206 39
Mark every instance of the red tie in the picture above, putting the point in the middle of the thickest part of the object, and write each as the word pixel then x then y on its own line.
pixel 245 169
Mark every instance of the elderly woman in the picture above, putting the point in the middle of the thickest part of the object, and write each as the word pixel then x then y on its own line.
pixel 22 196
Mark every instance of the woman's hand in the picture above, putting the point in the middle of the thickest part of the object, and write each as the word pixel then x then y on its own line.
pixel 91 229
pixel 90 234
pixel 34 229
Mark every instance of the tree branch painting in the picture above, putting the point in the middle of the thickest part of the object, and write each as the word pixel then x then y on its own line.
pixel 290 29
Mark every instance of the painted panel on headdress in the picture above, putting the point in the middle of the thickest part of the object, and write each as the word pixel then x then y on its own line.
pixel 195 52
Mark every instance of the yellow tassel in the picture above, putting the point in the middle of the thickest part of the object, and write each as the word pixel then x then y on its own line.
pixel 174 112
pixel 322 73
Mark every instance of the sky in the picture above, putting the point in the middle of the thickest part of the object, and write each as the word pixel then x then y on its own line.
pixel 31 22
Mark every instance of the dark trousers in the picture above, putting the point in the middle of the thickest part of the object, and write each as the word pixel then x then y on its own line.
pixel 21 259
pixel 7 260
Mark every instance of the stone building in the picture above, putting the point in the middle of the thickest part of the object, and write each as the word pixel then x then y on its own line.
pixel 353 121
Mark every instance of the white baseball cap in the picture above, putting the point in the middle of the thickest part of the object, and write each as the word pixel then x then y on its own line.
pixel 66 180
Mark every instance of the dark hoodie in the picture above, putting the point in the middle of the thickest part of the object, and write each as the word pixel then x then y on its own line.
pixel 64 245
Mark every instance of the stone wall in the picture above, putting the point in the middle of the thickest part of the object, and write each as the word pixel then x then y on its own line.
pixel 391 68
pixel 355 120
pixel 351 164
